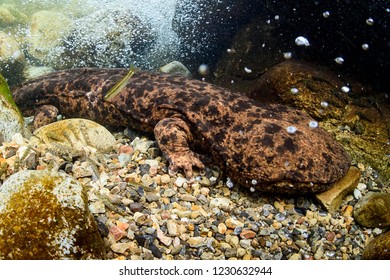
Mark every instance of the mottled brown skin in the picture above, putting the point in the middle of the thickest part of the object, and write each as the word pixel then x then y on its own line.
pixel 249 141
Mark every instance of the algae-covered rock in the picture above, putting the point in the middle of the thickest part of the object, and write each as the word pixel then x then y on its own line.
pixel 175 67
pixel 73 136
pixel 373 210
pixel 378 248
pixel 44 215
pixel 11 120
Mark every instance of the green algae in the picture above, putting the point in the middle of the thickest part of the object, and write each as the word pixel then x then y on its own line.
pixel 6 93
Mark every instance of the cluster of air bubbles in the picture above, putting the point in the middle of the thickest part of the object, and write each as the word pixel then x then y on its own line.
pixel 294 90
pixel 313 124
pixel 287 55
pixel 339 60
pixel 302 41
pixel 291 129
pixel 229 183
pixel 345 89
pixel 326 14
pixel 365 47
pixel 370 21
pixel 247 70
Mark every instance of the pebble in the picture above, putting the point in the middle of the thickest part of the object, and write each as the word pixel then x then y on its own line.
pixel 180 181
pixel 233 223
pixel 120 248
pixel 220 202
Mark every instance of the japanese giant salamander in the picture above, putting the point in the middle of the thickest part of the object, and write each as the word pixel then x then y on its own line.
pixel 270 147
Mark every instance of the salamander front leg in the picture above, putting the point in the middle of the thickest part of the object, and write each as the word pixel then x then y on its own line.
pixel 173 137
pixel 45 115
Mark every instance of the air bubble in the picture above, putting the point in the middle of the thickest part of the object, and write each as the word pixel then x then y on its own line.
pixel 302 41
pixel 277 17
pixel 254 182
pixel 313 124
pixel 345 89
pixel 339 60
pixel 203 69
pixel 287 55
pixel 370 21
pixel 252 189
pixel 324 104
pixel 247 70
pixel 294 90
pixel 365 47
pixel 291 129
pixel 326 14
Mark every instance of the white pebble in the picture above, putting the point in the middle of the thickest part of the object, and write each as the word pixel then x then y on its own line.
pixel 326 14
pixel 370 21
pixel 291 129
pixel 357 194
pixel 324 104
pixel 345 89
pixel 180 181
pixel 294 90
pixel 247 70
pixel 365 47
pixel 339 60
pixel 302 41
pixel 361 186
pixel 287 55
pixel 313 124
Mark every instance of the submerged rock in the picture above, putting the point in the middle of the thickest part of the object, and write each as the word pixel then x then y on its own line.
pixel 11 120
pixel 106 38
pixel 378 248
pixel 373 210
pixel 45 215
pixel 47 29
pixel 72 136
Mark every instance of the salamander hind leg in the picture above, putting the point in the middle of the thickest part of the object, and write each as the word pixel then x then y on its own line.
pixel 173 137
pixel 45 114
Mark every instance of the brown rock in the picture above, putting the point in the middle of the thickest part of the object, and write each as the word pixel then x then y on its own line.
pixel 378 248
pixel 373 210
pixel 331 199
pixel 247 234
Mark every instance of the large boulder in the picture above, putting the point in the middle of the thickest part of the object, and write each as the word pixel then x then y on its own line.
pixel 44 215
pixel 106 38
pixel 46 31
